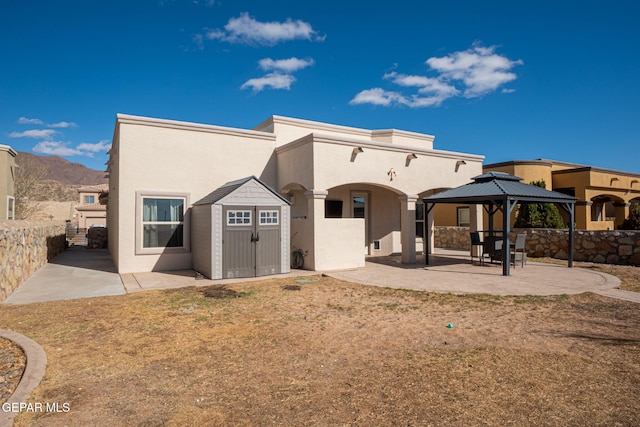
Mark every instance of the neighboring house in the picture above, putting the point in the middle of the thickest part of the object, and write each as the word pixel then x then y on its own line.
pixel 352 192
pixel 604 195
pixel 90 212
pixel 7 182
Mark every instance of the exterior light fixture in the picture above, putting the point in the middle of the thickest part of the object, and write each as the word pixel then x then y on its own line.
pixel 392 174
pixel 614 180
pixel 460 163
pixel 634 181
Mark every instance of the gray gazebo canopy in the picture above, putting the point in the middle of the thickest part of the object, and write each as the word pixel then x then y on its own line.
pixel 501 191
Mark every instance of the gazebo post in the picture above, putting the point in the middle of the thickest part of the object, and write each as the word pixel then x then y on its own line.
pixel 429 231
pixel 572 215
pixel 506 238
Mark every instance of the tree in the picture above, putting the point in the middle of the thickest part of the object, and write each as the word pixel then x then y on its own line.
pixel 633 220
pixel 29 176
pixel 539 215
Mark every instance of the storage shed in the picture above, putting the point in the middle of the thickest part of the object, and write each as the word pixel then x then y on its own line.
pixel 241 230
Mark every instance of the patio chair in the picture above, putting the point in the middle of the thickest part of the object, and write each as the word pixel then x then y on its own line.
pixel 492 246
pixel 518 253
pixel 477 247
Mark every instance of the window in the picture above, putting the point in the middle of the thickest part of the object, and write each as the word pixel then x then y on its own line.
pixel 235 218
pixel 89 200
pixel 162 222
pixel 11 208
pixel 269 217
pixel 463 217
pixel 420 220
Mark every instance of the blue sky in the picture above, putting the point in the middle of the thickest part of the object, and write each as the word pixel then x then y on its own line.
pixel 506 79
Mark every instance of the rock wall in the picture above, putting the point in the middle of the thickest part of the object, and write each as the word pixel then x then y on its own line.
pixel 610 247
pixel 452 238
pixel 96 238
pixel 25 246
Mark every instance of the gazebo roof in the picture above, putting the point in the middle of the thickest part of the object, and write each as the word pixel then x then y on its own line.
pixel 497 186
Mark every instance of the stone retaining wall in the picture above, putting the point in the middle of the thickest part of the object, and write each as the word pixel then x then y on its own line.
pixel 25 246
pixel 610 247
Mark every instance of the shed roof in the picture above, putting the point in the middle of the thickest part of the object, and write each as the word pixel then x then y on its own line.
pixel 496 186
pixel 231 186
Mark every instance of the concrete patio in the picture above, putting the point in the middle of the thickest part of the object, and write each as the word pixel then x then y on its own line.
pixel 82 273
pixel 452 272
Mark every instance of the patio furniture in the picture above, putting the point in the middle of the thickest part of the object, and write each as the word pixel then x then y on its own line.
pixel 477 248
pixel 493 247
pixel 518 253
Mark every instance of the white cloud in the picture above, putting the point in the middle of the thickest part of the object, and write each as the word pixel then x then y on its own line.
pixel 479 68
pixel 246 30
pixel 103 145
pixel 285 65
pixel 271 81
pixel 377 96
pixel 64 149
pixel 34 133
pixel 436 90
pixel 474 72
pixel 26 121
pixel 63 125
pixel 56 148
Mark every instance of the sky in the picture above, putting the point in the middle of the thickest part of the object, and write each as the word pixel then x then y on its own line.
pixel 510 80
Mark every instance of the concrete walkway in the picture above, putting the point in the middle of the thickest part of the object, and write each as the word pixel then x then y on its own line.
pixel 77 272
pixel 82 273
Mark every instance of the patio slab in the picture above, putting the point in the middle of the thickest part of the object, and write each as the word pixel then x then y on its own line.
pixel 452 272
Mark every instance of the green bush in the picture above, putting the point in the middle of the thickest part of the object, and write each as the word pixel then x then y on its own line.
pixel 633 221
pixel 538 215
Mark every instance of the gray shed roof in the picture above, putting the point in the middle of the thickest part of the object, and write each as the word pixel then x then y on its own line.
pixel 231 186
pixel 496 186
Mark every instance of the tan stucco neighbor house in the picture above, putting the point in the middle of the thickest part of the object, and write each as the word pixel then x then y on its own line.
pixel 7 182
pixel 604 195
pixel 89 212
pixel 349 192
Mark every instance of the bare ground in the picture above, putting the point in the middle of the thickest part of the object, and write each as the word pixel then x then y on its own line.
pixel 334 353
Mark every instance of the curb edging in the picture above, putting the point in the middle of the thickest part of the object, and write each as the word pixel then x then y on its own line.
pixel 34 370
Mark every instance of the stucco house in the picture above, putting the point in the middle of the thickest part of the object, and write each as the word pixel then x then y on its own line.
pixel 89 212
pixel 604 195
pixel 350 192
pixel 7 181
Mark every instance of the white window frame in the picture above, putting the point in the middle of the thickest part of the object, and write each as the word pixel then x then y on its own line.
pixel 459 223
pixel 140 249
pixel 84 198
pixel 235 212
pixel 275 214
pixel 11 207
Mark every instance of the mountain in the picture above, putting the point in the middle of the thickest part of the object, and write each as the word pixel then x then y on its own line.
pixel 62 170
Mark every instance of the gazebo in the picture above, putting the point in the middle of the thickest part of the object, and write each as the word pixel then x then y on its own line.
pixel 501 191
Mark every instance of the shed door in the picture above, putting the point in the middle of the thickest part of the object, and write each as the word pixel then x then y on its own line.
pixel 268 247
pixel 238 252
pixel 251 244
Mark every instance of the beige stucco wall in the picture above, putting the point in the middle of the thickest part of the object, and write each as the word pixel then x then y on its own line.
pixel 174 157
pixel 151 155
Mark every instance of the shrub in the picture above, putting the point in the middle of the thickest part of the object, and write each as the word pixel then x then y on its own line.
pixel 633 221
pixel 538 215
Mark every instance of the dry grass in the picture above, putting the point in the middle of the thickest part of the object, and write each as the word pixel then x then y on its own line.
pixel 334 353
pixel 629 275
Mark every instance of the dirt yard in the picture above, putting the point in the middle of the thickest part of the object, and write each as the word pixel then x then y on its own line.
pixel 333 353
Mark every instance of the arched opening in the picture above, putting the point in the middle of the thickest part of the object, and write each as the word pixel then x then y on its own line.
pixel 378 206
pixel 607 212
